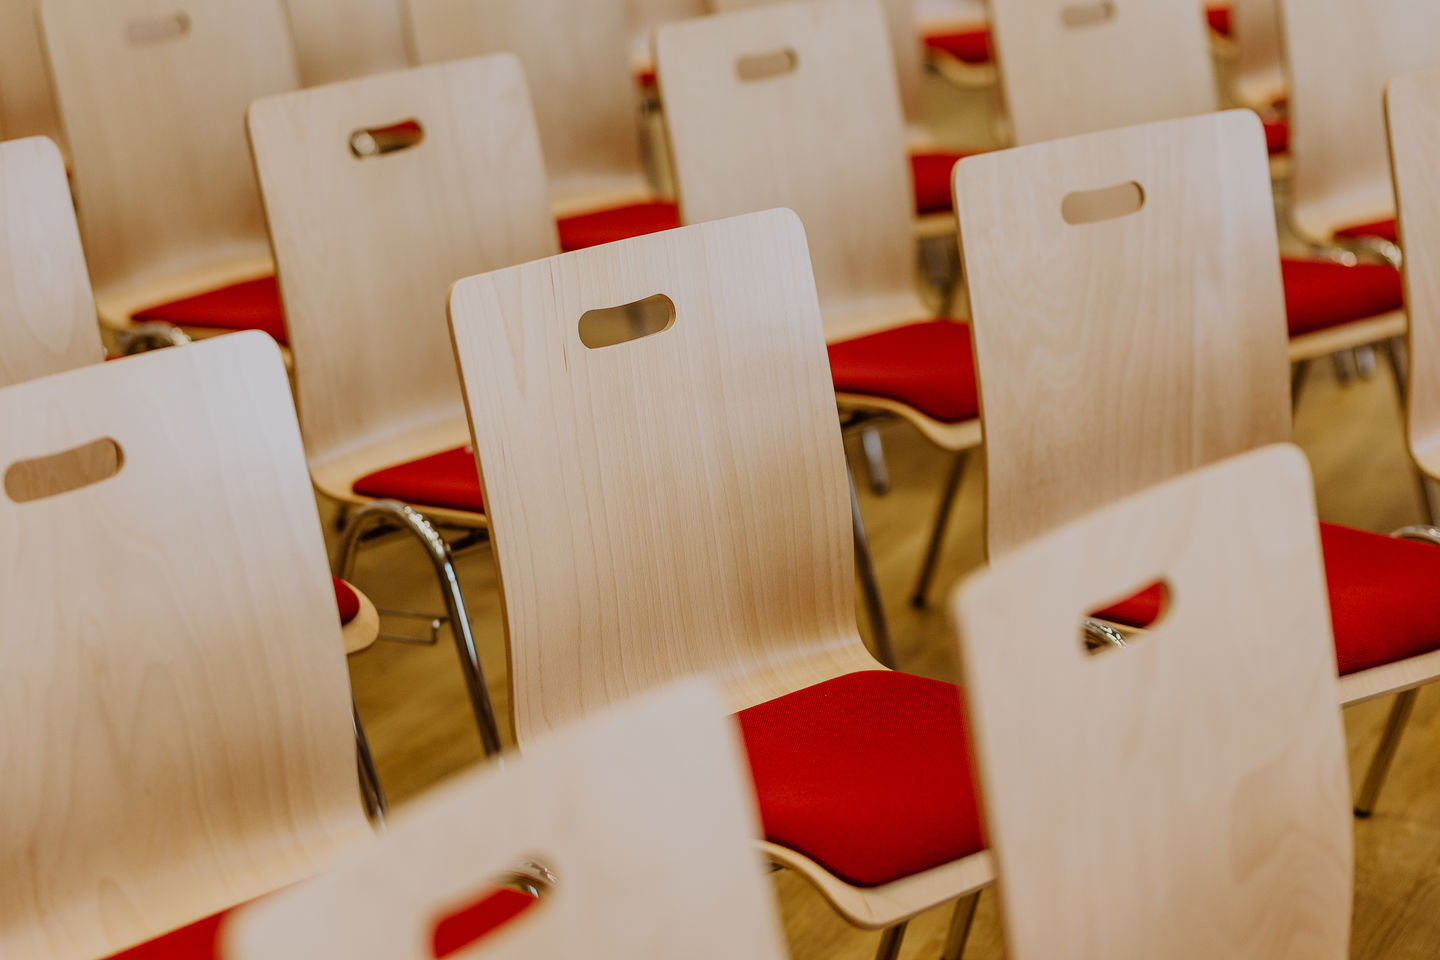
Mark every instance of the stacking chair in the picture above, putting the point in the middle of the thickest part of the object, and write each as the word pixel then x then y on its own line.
pixel 576 59
pixel 1154 800
pixel 649 864
pixel 26 106
pixel 677 504
pixel 381 192
pixel 178 731
pixel 152 96
pixel 343 39
pixel 1141 336
pixel 1257 77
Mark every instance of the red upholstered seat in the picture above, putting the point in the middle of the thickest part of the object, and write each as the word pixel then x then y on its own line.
pixel 251 305
pixel 346 601
pixel 868 775
pixel 1277 135
pixel 928 365
pixel 617 223
pixel 198 941
pixel 449 480
pixel 1381 229
pixel 934 172
pixel 1320 293
pixel 1384 598
pixel 1218 16
pixel 969 46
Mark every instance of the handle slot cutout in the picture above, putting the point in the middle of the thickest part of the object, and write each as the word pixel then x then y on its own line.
pixel 370 142
pixel 1118 625
pixel 1076 15
pixel 765 66
pixel 517 893
pixel 612 326
pixel 1107 203
pixel 42 478
pixel 148 30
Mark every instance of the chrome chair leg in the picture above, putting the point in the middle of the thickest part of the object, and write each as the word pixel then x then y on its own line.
pixel 875 461
pixel 376 805
pixel 1385 753
pixel 870 583
pixel 383 513
pixel 891 941
pixel 921 597
pixel 142 337
pixel 960 925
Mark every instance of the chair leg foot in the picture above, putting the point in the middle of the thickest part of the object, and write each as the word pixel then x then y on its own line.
pixel 960 925
pixel 921 598
pixel 870 584
pixel 875 464
pixel 1385 753
pixel 891 941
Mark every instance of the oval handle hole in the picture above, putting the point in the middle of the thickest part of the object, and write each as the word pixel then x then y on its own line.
pixel 502 901
pixel 377 141
pixel 1086 14
pixel 1107 203
pixel 1143 609
pixel 612 326
pixel 158 29
pixel 764 66
pixel 44 477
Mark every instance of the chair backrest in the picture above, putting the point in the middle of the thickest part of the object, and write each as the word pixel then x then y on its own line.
pixel 26 106
pixel 177 707
pixel 367 244
pixel 1129 317
pixel 904 33
pixel 152 94
pixel 576 55
pixel 1413 104
pixel 47 312
pixel 1071 68
pixel 815 128
pixel 643 817
pixel 343 39
pixel 1340 53
pixel 1187 796
pixel 671 505
pixel 1258 74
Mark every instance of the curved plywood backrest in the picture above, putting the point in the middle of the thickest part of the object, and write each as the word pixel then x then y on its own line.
pixel 904 35
pixel 1186 796
pixel 152 95
pixel 343 39
pixel 176 704
pixel 47 312
pixel 642 817
pixel 381 193
pixel 669 505
pixel 1258 75
pixel 576 55
pixel 26 107
pixel 1080 66
pixel 795 105
pixel 1340 53
pixel 1129 319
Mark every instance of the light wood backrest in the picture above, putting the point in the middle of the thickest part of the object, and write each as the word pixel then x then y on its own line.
pixel 1187 796
pixel 152 94
pixel 1071 68
pixel 47 312
pixel 904 33
pixel 824 139
pixel 26 107
pixel 576 55
pixel 367 248
pixel 177 708
pixel 1258 73
pixel 1113 355
pixel 1339 54
pixel 343 39
pixel 1413 105
pixel 644 816
pixel 672 505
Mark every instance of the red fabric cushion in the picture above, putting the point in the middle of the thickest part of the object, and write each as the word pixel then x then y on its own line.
pixel 448 479
pixel 1320 294
pixel 1277 136
pixel 970 46
pixel 646 77
pixel 346 600
pixel 1384 598
pixel 867 774
pixel 617 223
pixel 459 930
pixel 928 365
pixel 1383 229
pixel 252 305
pixel 1218 15
pixel 933 173
pixel 199 941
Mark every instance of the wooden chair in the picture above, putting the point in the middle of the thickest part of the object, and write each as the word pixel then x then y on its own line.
pixel 677 504
pixel 152 95
pixel 823 137
pixel 381 192
pixel 1154 801
pixel 339 40
pixel 27 108
pixel 179 731
pixel 1111 361
pixel 1258 72
pixel 652 865
pixel 577 62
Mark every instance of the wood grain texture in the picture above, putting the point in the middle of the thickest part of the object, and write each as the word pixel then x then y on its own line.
pixel 576 55
pixel 1339 54
pixel 367 248
pixel 339 40
pixel 1155 801
pixel 179 734
pixel 1257 74
pixel 642 814
pixel 27 108
pixel 1062 80
pixel 167 199
pixel 47 312
pixel 1117 354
